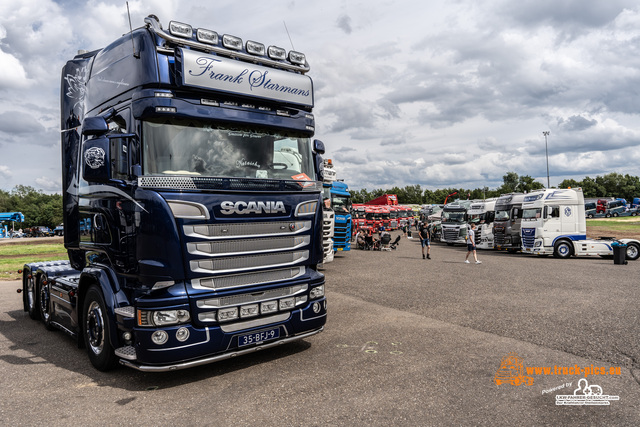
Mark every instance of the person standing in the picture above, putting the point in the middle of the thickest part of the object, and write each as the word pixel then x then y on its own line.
pixel 425 240
pixel 471 244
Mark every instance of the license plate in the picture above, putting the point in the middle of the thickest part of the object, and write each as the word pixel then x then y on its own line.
pixel 258 337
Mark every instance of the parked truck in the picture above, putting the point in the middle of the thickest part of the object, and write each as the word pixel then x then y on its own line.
pixel 482 213
pixel 204 234
pixel 506 226
pixel 341 205
pixel 454 222
pixel 553 222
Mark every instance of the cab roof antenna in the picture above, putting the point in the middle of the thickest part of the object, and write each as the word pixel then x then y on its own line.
pixel 133 46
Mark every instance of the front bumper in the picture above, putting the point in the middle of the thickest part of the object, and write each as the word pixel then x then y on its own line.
pixel 216 358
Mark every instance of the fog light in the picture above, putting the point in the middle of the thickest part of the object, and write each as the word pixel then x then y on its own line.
pixel 182 334
pixel 269 307
pixel 126 336
pixel 286 303
pixel 226 314
pixel 316 307
pixel 249 310
pixel 159 337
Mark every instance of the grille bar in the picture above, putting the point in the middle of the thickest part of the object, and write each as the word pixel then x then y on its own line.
pixel 235 247
pixel 247 279
pixel 233 264
pixel 253 229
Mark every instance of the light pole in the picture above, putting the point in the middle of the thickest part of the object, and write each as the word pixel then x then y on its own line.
pixel 546 150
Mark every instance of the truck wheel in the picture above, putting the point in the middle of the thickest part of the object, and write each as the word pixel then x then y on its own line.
pixel 31 289
pixel 590 216
pixel 562 249
pixel 97 335
pixel 45 302
pixel 633 251
pixel 607 215
pixel 615 214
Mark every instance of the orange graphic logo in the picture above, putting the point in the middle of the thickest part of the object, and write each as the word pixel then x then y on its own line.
pixel 511 371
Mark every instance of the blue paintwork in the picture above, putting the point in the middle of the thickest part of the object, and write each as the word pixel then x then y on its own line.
pixel 124 238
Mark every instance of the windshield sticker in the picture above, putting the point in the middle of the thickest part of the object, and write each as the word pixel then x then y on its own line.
pixel 302 177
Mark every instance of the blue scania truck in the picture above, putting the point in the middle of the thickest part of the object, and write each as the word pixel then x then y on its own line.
pixel 188 157
pixel 341 205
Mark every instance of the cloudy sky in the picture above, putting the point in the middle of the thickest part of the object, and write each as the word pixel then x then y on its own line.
pixel 451 93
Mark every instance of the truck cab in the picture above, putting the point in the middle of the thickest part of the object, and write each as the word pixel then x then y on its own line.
pixel 193 201
pixel 506 226
pixel 482 213
pixel 553 222
pixel 454 222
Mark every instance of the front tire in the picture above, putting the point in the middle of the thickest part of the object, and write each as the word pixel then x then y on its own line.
pixel 633 251
pixel 96 331
pixel 562 249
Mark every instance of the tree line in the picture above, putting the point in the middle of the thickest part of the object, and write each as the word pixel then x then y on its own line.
pixel 38 208
pixel 609 185
pixel 46 209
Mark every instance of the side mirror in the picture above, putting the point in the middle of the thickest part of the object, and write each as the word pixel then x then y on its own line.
pixel 94 126
pixel 96 160
pixel 318 146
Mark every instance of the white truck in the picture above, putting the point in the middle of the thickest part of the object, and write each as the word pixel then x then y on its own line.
pixel 553 222
pixel 454 222
pixel 482 213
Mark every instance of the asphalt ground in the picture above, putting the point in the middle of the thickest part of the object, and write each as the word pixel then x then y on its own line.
pixel 407 342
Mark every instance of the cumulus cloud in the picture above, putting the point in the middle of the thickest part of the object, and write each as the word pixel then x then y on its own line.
pixel 14 122
pixel 5 171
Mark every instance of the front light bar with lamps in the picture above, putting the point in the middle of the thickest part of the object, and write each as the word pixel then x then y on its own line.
pixel 152 318
pixel 255 308
pixel 182 34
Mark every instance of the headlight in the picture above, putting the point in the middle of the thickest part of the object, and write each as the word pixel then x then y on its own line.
pixel 317 292
pixel 162 317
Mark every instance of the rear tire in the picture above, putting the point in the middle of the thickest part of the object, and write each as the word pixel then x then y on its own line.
pixel 562 249
pixel 633 251
pixel 96 331
pixel 32 294
pixel 615 214
pixel 45 302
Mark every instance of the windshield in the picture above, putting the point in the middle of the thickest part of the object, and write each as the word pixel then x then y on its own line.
pixel 502 215
pixel 187 147
pixel 453 216
pixel 341 204
pixel 533 213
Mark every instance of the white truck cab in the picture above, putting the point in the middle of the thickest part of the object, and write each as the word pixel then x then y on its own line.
pixel 553 222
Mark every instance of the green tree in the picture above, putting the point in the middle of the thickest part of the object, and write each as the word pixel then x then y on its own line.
pixel 527 184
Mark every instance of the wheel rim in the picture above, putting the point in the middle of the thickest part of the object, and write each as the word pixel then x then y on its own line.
pixel 44 302
pixel 95 328
pixel 632 252
pixel 563 249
